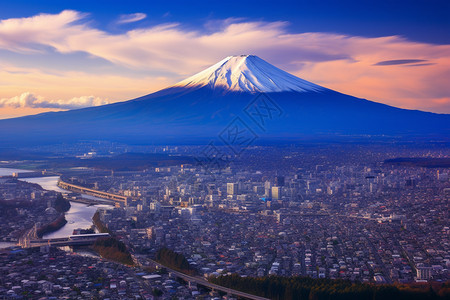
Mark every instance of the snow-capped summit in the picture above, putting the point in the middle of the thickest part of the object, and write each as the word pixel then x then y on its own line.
pixel 248 73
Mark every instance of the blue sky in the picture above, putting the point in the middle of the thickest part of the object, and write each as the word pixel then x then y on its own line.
pixel 67 54
pixel 426 21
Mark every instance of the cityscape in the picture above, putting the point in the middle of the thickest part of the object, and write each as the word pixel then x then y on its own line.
pixel 343 213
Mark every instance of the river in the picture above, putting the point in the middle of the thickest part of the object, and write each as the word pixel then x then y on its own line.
pixel 79 214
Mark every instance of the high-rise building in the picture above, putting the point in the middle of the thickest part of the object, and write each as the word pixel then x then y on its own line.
pixel 276 192
pixel 156 206
pixel 232 188
pixel 258 190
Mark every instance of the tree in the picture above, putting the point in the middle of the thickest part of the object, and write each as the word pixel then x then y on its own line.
pixel 61 204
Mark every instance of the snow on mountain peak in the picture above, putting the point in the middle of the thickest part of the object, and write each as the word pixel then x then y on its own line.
pixel 248 73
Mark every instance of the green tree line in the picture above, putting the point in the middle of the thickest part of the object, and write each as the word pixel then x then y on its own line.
pixel 61 204
pixel 305 288
pixel 174 260
pixel 113 249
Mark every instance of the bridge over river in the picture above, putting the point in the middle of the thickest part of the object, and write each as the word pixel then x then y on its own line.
pixel 73 240
pixel 87 239
pixel 100 194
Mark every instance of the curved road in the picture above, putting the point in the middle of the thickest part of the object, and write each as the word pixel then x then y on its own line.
pixel 201 281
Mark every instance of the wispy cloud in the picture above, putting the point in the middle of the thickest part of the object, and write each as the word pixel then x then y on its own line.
pixel 400 62
pixel 29 100
pixel 130 18
pixel 24 34
pixel 349 64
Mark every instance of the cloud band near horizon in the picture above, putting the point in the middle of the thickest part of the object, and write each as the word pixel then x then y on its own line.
pixel 33 101
pixel 391 70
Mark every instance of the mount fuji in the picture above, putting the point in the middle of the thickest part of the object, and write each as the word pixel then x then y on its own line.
pixel 273 104
pixel 248 73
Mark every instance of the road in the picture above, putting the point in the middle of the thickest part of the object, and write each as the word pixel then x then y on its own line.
pixel 201 281
pixel 87 191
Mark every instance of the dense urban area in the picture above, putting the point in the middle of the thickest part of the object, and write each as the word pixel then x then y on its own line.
pixel 350 212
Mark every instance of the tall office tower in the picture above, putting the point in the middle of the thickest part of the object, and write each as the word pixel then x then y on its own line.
pixel 232 188
pixel 276 192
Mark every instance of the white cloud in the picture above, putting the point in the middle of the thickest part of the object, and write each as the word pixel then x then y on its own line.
pixel 24 34
pixel 342 62
pixel 130 18
pixel 33 101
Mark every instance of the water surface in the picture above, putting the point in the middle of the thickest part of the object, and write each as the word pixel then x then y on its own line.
pixel 79 215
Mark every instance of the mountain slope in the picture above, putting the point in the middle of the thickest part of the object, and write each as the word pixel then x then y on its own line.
pixel 199 108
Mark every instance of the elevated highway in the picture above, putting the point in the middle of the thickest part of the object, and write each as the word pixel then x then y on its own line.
pixel 73 240
pixel 100 194
pixel 201 281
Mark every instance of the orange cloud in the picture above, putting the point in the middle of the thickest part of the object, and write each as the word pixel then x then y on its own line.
pixel 391 70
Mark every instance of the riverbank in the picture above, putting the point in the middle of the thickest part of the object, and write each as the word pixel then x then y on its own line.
pixel 22 206
pixel 80 213
pixel 99 224
pixel 57 224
